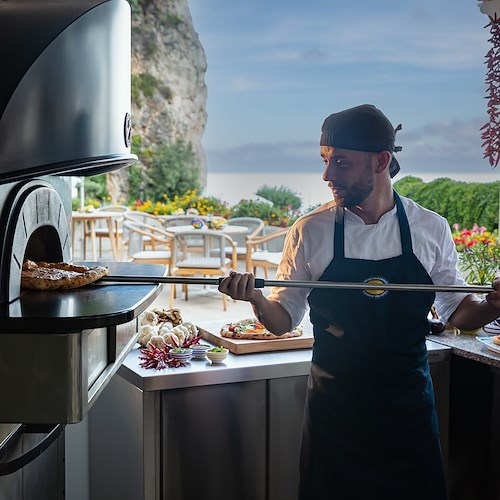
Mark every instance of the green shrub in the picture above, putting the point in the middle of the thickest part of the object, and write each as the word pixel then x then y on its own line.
pixel 95 187
pixel 143 84
pixel 172 170
pixel 462 203
pixel 171 21
pixel 281 197
pixel 252 208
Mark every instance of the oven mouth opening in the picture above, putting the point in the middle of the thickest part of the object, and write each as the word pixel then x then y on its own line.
pixel 43 245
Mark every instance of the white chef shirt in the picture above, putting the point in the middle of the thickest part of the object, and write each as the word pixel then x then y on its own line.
pixel 308 250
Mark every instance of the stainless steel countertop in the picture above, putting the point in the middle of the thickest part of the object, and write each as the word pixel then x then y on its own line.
pixel 236 368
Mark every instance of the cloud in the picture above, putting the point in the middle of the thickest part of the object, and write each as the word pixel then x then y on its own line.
pixel 448 146
pixel 435 36
pixel 266 157
pixel 444 147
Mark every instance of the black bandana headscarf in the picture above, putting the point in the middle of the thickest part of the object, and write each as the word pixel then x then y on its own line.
pixel 362 128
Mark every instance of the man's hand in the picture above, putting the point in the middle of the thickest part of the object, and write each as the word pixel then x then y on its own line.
pixel 240 286
pixel 493 298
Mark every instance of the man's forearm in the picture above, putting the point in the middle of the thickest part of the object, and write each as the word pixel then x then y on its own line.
pixel 272 315
pixel 473 313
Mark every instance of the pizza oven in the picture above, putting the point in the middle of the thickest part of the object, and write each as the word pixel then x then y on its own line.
pixel 64 111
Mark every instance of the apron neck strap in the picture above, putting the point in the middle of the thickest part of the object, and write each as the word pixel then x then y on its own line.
pixel 338 235
pixel 404 229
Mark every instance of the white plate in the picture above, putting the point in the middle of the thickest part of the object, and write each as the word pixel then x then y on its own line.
pixel 492 328
pixel 488 342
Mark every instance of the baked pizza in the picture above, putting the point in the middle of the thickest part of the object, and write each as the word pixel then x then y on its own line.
pixel 53 276
pixel 252 329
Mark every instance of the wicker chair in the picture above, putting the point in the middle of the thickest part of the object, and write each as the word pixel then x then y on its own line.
pixel 186 263
pixel 159 249
pixel 265 251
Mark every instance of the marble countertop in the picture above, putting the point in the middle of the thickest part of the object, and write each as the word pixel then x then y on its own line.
pixel 467 346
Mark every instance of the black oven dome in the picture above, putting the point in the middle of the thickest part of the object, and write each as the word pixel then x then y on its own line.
pixel 65 93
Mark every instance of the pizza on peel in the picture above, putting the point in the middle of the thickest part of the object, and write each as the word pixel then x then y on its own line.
pixel 252 329
pixel 53 276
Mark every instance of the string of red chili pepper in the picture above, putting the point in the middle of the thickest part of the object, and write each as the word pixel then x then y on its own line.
pixel 491 130
pixel 155 357
pixel 159 358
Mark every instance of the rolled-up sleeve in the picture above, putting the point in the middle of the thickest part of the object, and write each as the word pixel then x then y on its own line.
pixel 293 266
pixel 445 271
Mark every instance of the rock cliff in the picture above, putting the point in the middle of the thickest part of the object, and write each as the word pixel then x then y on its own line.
pixel 169 94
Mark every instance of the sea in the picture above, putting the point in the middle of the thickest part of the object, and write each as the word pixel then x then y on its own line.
pixel 233 187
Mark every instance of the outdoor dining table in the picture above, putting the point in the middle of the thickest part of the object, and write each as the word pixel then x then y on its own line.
pixel 111 219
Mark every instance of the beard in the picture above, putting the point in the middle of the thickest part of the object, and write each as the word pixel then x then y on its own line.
pixel 356 193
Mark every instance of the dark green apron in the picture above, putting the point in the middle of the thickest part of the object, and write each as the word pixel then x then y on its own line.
pixel 370 429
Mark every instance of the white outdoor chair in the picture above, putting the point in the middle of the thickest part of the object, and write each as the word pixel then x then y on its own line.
pixel 266 250
pixel 148 219
pixel 159 243
pixel 183 220
pixel 179 220
pixel 186 263
pixel 255 227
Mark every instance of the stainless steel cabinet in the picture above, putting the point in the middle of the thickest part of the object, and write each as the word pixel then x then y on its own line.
pixel 31 462
pixel 225 440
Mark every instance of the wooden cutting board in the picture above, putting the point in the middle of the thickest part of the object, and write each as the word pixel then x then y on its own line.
pixel 239 346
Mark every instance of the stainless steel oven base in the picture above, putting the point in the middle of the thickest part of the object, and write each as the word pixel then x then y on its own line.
pixel 55 378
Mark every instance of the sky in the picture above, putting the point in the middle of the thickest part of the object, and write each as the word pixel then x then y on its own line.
pixel 277 68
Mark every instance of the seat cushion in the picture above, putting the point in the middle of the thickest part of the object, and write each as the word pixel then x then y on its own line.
pixel 229 250
pixel 202 263
pixel 269 257
pixel 151 254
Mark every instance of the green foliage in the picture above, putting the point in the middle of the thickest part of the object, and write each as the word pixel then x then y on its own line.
pixel 280 197
pixel 135 6
pixel 272 215
pixel 463 203
pixel 150 46
pixel 172 170
pixel 143 84
pixel 480 263
pixel 252 208
pixel 171 21
pixel 146 85
pixel 95 187
pixel 166 92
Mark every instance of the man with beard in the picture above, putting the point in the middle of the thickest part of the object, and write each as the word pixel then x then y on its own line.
pixel 370 425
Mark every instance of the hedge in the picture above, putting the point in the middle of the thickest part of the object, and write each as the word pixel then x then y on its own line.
pixel 462 203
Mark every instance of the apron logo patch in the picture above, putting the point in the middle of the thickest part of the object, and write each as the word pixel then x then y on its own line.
pixel 374 293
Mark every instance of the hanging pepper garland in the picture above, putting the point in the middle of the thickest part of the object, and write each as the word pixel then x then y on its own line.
pixel 491 130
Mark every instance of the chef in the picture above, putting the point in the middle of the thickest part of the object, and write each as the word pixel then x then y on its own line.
pixel 370 424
